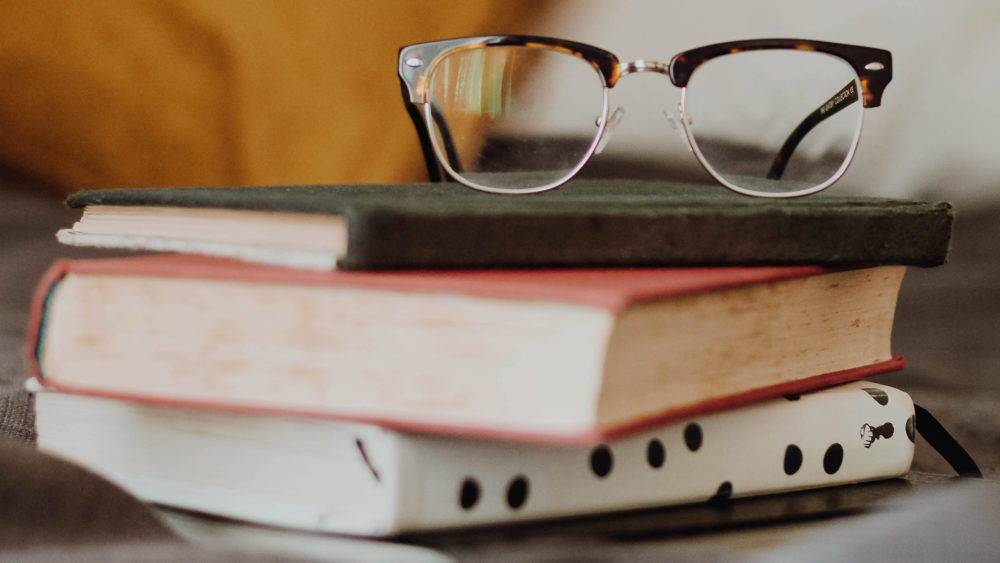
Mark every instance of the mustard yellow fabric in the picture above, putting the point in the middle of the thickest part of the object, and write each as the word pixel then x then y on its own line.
pixel 218 92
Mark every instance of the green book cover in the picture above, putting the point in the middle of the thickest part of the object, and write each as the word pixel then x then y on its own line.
pixel 587 222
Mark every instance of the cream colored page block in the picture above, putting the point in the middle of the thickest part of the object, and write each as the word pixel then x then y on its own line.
pixel 254 228
pixel 280 470
pixel 440 358
pixel 715 344
pixel 303 259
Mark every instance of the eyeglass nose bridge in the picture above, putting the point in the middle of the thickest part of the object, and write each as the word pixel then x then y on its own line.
pixel 679 121
pixel 642 65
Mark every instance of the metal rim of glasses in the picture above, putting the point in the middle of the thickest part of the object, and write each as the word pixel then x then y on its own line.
pixel 445 163
pixel 704 162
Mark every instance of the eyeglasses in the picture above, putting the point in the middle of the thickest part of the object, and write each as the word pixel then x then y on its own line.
pixel 521 114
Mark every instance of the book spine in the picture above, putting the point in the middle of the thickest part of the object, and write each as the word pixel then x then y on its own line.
pixel 385 238
pixel 36 317
pixel 855 432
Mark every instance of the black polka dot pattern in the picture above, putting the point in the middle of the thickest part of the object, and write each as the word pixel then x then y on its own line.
pixel 517 492
pixel 469 494
pixel 692 436
pixel 793 459
pixel 880 396
pixel 833 458
pixel 655 453
pixel 793 396
pixel 601 461
pixel 722 494
pixel 911 428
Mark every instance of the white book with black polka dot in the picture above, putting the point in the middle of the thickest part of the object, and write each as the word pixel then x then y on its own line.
pixel 334 476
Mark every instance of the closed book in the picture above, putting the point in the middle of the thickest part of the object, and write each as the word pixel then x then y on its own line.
pixel 333 476
pixel 596 223
pixel 548 355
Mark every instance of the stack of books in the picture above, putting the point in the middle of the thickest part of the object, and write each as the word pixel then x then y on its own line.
pixel 378 360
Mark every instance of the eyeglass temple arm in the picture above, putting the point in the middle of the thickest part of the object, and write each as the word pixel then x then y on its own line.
pixel 435 172
pixel 446 140
pixel 843 98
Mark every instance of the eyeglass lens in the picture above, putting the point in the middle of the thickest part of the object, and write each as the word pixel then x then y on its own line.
pixel 514 117
pixel 742 109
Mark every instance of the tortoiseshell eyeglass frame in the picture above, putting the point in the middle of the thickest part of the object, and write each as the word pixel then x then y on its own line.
pixel 417 62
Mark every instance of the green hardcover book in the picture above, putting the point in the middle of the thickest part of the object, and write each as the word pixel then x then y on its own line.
pixel 443 225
